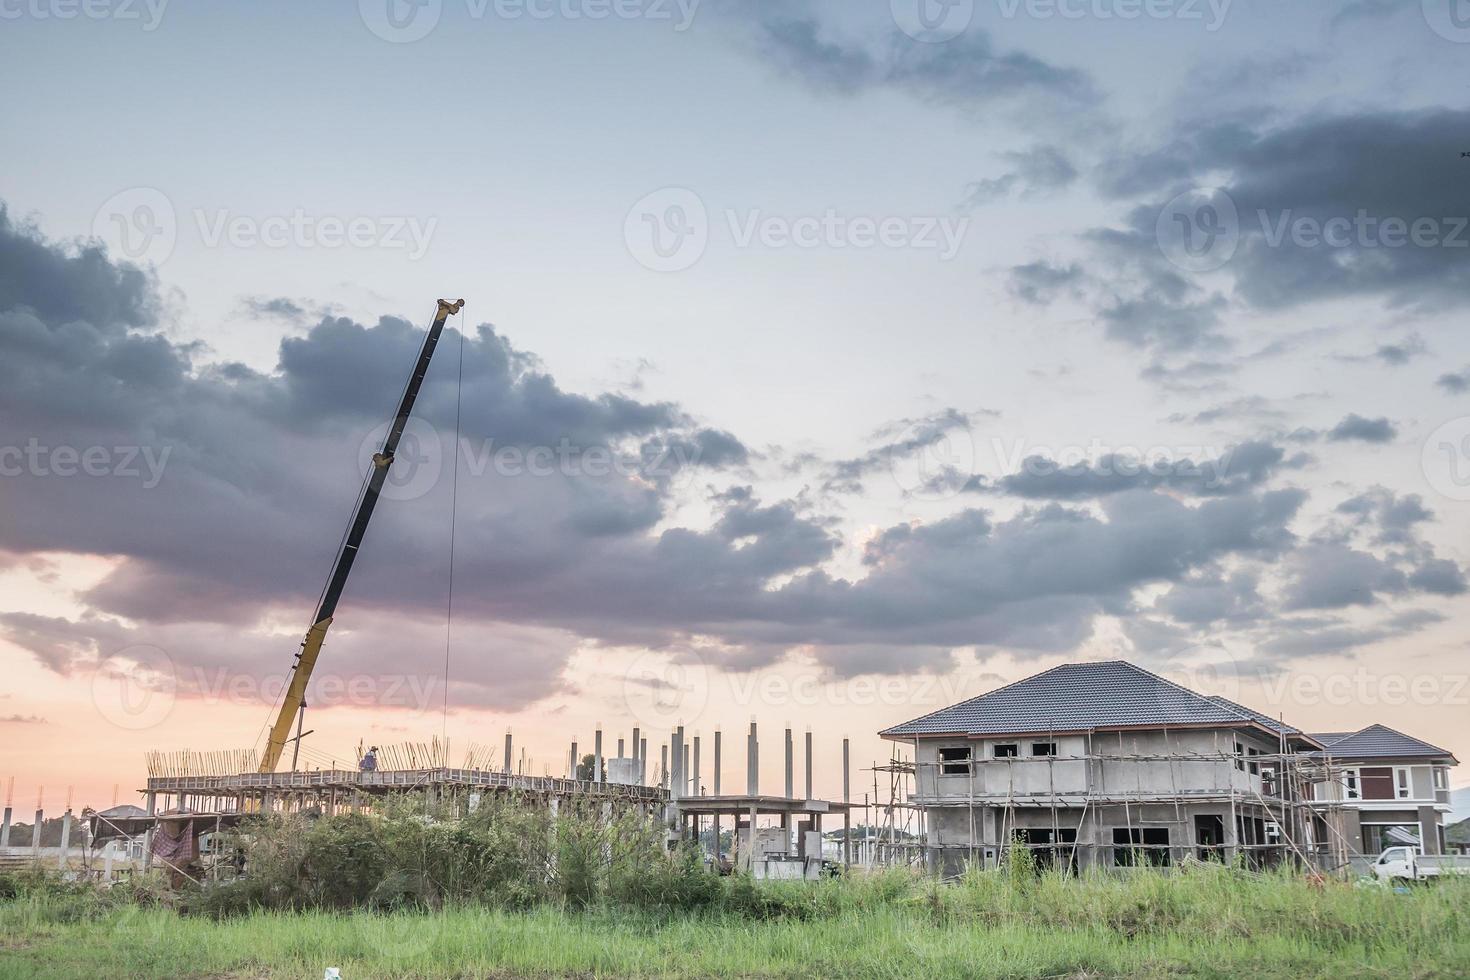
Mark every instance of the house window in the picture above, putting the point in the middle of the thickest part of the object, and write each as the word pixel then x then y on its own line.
pixel 954 761
pixel 1006 750
pixel 1401 784
pixel 1441 777
pixel 1350 788
pixel 1239 751
pixel 1141 846
pixel 1043 748
pixel 1255 766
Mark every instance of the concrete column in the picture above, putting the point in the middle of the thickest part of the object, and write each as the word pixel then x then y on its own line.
pixel 597 755
pixel 790 766
pixel 508 755
pixel 717 780
pixel 620 749
pixel 572 773
pixel 36 835
pixel 637 749
pixel 752 762
pixel 5 829
pixel 808 763
pixel 750 849
pixel 846 812
pixel 695 790
pixel 676 762
pixel 663 767
pixel 65 840
pixel 642 749
pixel 684 789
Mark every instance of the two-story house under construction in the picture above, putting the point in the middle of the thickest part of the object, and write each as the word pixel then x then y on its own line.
pixel 1107 764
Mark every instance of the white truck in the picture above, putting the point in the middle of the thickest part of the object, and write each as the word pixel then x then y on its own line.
pixel 1407 864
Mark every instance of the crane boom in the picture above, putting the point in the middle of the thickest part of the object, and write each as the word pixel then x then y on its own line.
pixel 382 461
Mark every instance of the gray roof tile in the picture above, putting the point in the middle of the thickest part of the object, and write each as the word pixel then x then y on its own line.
pixel 1081 697
pixel 1378 742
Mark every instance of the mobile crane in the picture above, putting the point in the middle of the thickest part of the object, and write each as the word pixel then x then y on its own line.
pixel 293 703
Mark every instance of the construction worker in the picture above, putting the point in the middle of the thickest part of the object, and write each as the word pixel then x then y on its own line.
pixel 369 761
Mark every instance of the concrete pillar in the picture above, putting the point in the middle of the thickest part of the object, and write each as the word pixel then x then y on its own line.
pixel 717 785
pixel 597 754
pixel 684 789
pixel 5 829
pixel 637 750
pixel 663 767
pixel 676 763
pixel 846 812
pixel 508 755
pixel 572 774
pixel 65 840
pixel 752 762
pixel 790 766
pixel 36 835
pixel 808 763
pixel 642 750
pixel 621 749
pixel 695 789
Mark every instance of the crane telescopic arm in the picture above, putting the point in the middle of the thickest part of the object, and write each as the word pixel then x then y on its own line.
pixel 293 701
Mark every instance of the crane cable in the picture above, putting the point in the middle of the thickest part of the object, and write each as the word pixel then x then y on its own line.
pixel 453 521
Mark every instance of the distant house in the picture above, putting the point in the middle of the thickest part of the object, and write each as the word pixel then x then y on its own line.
pixel 1107 764
pixel 1457 837
pixel 1390 788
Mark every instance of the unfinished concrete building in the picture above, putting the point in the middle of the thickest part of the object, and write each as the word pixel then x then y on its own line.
pixel 1107 764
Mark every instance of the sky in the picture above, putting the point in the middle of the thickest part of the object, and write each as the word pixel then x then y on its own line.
pixel 822 364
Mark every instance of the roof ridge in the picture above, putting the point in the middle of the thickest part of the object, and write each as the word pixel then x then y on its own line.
pixel 961 704
pixel 1239 709
pixel 1395 731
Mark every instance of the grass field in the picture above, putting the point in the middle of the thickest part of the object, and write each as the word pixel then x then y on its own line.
pixel 1210 922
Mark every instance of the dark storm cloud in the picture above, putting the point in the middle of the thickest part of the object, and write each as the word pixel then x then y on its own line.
pixel 1212 598
pixel 1355 427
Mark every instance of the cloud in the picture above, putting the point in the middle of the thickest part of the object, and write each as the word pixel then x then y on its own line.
pixel 1290 640
pixel 964 72
pixel 1354 427
pixel 22 720
pixel 1040 283
pixel 1037 171
pixel 902 440
pixel 1456 383
pixel 1237 470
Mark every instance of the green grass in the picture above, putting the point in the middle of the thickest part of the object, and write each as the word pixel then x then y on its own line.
pixel 1209 922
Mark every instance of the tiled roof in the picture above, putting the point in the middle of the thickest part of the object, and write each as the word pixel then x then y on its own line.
pixel 1082 697
pixel 1378 742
